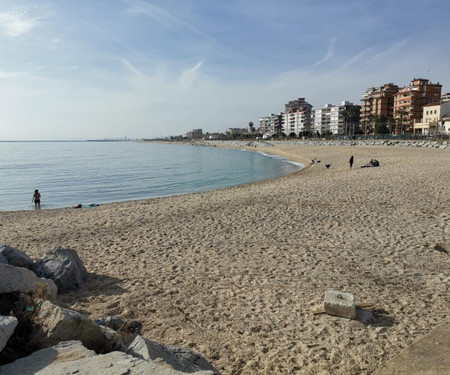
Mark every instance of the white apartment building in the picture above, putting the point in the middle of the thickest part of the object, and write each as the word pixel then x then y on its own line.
pixel 434 119
pixel 331 118
pixel 297 117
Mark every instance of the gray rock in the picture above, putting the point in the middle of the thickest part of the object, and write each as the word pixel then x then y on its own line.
pixel 59 324
pixel 71 357
pixel 3 260
pixel 21 280
pixel 7 326
pixel 64 267
pixel 15 257
pixel 179 359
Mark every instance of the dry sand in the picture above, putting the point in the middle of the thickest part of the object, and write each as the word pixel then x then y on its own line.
pixel 234 274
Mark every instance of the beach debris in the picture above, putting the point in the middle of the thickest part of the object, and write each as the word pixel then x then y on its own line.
pixel 64 267
pixel 343 304
pixel 442 247
pixel 340 304
pixel 15 257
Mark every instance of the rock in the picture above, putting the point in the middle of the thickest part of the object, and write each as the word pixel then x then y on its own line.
pixel 7 326
pixel 179 359
pixel 340 304
pixel 71 357
pixel 49 286
pixel 15 257
pixel 3 260
pixel 116 323
pixel 58 324
pixel 64 267
pixel 21 280
pixel 113 322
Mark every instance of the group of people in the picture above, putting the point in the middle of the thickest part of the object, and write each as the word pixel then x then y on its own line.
pixel 372 163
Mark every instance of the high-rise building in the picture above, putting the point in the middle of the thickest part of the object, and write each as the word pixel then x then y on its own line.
pixel 410 100
pixel 340 119
pixel 378 101
pixel 297 118
pixel 272 124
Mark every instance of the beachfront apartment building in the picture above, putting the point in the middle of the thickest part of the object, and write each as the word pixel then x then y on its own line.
pixel 194 134
pixel 236 131
pixel 376 102
pixel 271 124
pixel 445 97
pixel 297 118
pixel 336 119
pixel 434 119
pixel 410 100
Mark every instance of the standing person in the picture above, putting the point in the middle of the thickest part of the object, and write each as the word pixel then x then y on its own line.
pixel 37 200
pixel 351 162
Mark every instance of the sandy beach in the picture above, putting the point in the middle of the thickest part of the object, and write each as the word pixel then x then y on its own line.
pixel 235 274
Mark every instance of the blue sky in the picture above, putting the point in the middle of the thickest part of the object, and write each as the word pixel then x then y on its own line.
pixel 136 68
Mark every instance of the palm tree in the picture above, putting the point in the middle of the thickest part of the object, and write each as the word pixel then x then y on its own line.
pixel 351 116
pixel 401 113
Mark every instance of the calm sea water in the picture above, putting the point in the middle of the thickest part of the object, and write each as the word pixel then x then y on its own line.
pixel 69 173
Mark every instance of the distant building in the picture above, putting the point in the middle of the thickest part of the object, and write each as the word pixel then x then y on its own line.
pixel 336 119
pixel 297 118
pixel 272 124
pixel 434 119
pixel 445 97
pixel 194 134
pixel 410 100
pixel 236 131
pixel 378 101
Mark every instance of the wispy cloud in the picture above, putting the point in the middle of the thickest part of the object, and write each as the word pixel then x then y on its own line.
pixel 21 20
pixel 162 16
pixel 100 31
pixel 189 76
pixel 130 67
pixel 355 58
pixel 329 53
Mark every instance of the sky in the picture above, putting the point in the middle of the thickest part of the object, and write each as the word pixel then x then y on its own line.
pixel 97 69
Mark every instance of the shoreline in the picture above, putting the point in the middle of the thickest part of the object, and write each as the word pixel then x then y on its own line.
pixel 235 274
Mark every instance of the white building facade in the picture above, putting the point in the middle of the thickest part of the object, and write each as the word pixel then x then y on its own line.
pixel 297 118
pixel 434 119
pixel 332 119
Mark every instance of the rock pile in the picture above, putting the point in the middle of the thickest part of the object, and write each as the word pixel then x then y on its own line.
pixel 323 142
pixel 38 336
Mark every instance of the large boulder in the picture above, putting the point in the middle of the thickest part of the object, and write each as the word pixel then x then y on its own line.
pixel 57 324
pixel 3 260
pixel 7 326
pixel 21 280
pixel 64 267
pixel 15 257
pixel 71 357
pixel 179 359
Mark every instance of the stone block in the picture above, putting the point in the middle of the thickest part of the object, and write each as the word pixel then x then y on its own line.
pixel 340 304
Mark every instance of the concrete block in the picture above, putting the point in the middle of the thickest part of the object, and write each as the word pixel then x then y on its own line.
pixel 340 304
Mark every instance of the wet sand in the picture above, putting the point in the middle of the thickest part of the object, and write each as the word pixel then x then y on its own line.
pixel 235 274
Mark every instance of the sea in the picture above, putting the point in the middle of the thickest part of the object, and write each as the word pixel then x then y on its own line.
pixel 90 173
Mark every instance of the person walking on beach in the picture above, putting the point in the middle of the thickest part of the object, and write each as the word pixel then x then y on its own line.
pixel 37 200
pixel 351 162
